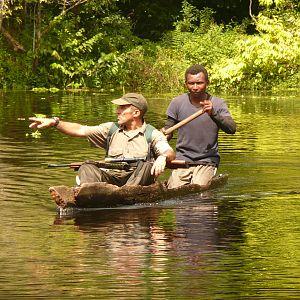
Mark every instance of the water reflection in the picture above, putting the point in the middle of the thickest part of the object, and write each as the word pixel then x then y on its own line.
pixel 158 247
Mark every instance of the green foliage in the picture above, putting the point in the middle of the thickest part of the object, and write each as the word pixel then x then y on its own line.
pixel 9 7
pixel 93 46
pixel 269 2
pixel 76 67
pixel 35 134
pixel 92 59
pixel 160 72
pixel 193 19
pixel 14 70
pixel 264 60
pixel 109 71
pixel 234 60
pixel 276 3
pixel 71 60
pixel 77 48
pixel 195 39
pixel 43 90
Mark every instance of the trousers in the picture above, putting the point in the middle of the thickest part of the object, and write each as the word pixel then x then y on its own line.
pixel 141 175
pixel 201 175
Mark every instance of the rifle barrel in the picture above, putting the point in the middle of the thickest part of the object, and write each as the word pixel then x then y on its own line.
pixel 60 165
pixel 126 160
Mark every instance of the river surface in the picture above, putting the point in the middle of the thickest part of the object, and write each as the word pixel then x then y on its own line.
pixel 241 241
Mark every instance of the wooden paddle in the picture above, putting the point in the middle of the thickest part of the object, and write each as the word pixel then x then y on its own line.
pixel 184 121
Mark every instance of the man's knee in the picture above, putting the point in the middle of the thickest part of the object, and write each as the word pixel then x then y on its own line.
pixel 203 175
pixel 142 175
pixel 89 173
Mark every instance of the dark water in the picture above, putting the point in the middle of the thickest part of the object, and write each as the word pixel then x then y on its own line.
pixel 238 242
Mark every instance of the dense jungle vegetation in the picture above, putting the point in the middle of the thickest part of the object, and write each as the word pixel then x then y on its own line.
pixel 147 45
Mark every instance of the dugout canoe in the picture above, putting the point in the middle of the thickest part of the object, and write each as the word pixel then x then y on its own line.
pixel 105 195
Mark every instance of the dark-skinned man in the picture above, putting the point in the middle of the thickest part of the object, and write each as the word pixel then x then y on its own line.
pixel 197 141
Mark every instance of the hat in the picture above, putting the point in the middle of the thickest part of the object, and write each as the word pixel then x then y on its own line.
pixel 136 100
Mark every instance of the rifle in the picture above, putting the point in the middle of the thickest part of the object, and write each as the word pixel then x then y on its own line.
pixel 122 164
pixel 109 163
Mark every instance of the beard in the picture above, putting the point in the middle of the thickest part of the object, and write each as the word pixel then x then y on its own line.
pixel 198 95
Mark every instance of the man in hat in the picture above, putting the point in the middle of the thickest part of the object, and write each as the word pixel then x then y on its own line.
pixel 130 138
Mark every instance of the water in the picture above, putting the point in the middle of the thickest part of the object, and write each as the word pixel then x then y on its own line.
pixel 238 242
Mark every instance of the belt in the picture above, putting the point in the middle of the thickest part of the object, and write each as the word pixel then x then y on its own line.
pixel 186 164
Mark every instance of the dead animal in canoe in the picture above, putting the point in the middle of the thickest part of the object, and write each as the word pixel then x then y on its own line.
pixel 102 194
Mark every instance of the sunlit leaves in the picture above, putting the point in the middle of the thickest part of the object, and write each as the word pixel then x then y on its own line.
pixel 269 3
pixel 76 65
pixel 265 59
pixel 8 7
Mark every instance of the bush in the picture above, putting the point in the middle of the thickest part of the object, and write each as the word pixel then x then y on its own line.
pixel 15 71
pixel 161 71
pixel 265 60
pixel 162 68
pixel 234 60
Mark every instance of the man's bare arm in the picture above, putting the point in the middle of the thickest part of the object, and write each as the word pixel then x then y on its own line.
pixel 68 128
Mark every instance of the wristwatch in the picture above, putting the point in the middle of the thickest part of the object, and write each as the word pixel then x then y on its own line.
pixel 56 121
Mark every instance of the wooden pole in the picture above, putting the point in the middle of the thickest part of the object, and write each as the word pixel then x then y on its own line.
pixel 185 121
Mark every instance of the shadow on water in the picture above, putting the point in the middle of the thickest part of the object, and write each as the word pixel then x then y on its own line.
pixel 210 218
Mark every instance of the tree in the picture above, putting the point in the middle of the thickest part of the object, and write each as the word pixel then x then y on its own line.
pixel 69 38
pixel 6 10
